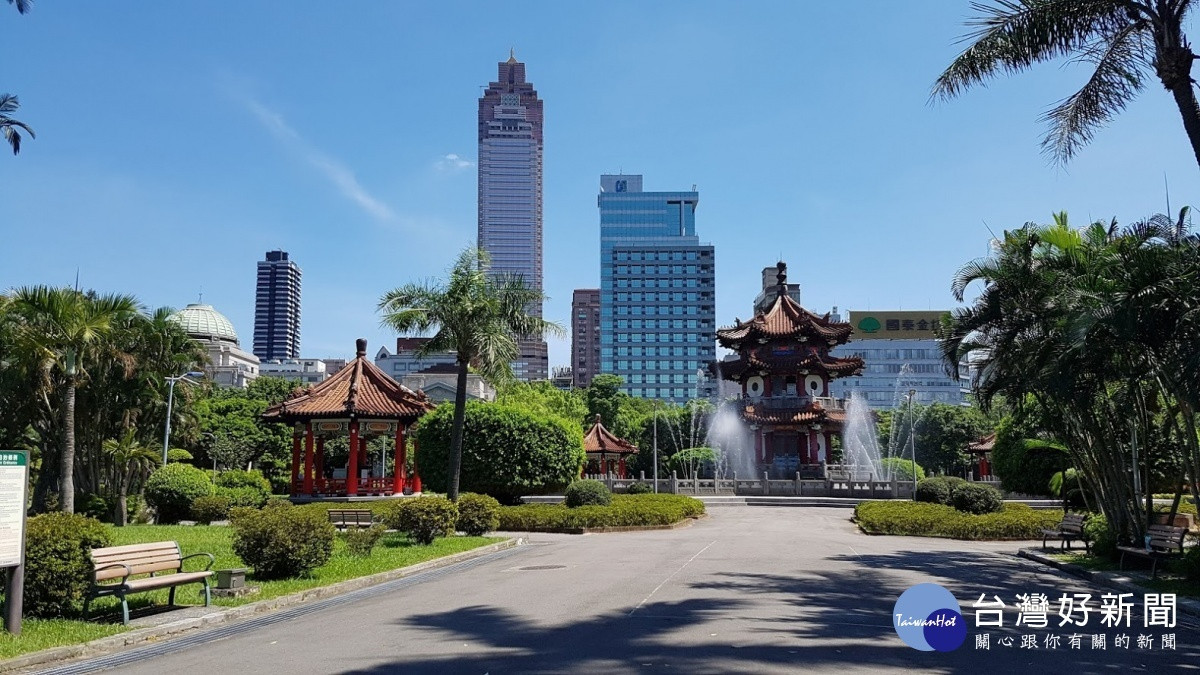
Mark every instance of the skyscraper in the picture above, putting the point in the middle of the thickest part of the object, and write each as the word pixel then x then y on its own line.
pixel 657 296
pixel 585 336
pixel 277 308
pixel 510 192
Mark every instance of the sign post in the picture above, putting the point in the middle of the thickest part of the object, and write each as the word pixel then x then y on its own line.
pixel 14 482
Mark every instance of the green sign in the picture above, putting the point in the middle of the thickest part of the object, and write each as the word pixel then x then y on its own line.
pixel 14 477
pixel 12 458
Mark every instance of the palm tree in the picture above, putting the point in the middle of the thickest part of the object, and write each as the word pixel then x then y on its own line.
pixel 130 462
pixel 58 329
pixel 476 315
pixel 1125 40
pixel 10 126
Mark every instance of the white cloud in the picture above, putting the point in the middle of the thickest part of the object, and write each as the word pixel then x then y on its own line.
pixel 453 162
pixel 333 169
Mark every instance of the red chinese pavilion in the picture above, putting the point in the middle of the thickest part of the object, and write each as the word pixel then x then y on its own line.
pixel 605 451
pixel 360 401
pixel 784 368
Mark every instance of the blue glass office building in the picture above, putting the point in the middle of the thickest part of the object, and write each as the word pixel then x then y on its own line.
pixel 657 294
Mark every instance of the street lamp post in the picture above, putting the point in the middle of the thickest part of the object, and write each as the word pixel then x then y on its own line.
pixel 170 403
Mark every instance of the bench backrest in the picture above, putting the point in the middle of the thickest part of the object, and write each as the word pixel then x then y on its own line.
pixel 1072 523
pixel 1166 537
pixel 356 516
pixel 157 556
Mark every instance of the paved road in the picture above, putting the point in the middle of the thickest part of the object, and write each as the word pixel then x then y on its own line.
pixel 751 590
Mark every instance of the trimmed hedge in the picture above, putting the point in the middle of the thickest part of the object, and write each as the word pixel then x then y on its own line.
pixel 58 569
pixel 207 509
pixel 1015 521
pixel 587 493
pixel 423 518
pixel 284 542
pixel 171 489
pixel 639 489
pixel 244 488
pixel 977 498
pixel 477 514
pixel 508 451
pixel 360 541
pixel 939 489
pixel 624 511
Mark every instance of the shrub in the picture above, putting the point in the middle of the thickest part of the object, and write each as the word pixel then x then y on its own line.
pixel 210 508
pixel 936 520
pixel 901 469
pixel 281 543
pixel 587 493
pixel 236 478
pixel 976 498
pixel 508 451
pixel 477 514
pixel 1104 541
pixel 171 489
pixel 939 489
pixel 178 456
pixel 423 518
pixel 243 496
pixel 361 540
pixel 283 502
pixel 624 511
pixel 1025 465
pixel 58 569
pixel 95 506
pixel 1189 564
pixel 639 489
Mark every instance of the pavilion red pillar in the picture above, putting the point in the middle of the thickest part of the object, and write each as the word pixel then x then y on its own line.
pixel 621 466
pixel 308 459
pixel 416 479
pixel 812 448
pixel 320 477
pixel 398 472
pixel 295 459
pixel 352 464
pixel 758 446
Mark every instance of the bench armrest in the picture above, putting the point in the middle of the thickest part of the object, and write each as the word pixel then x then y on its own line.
pixel 208 567
pixel 128 571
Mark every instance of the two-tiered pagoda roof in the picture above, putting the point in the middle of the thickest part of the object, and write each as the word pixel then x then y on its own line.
pixel 600 439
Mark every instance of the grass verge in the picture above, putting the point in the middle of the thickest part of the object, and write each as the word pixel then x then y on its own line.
pixel 393 551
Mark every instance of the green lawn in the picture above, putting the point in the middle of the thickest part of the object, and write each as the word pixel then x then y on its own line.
pixel 1167 582
pixel 393 551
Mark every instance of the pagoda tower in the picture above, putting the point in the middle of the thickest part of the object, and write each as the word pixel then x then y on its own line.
pixel 784 369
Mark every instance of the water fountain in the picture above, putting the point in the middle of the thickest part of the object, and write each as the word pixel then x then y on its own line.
pixel 860 446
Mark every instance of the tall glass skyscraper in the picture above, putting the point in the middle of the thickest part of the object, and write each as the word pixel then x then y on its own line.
pixel 277 308
pixel 657 294
pixel 510 192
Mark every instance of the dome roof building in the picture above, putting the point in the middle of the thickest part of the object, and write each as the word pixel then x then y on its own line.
pixel 229 365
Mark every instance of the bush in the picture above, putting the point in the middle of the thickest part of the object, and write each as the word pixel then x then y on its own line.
pixel 901 469
pixel 1025 465
pixel 624 511
pixel 236 478
pixel 587 493
pixel 58 569
pixel 976 498
pixel 639 489
pixel 507 452
pixel 210 508
pixel 477 514
pixel 1104 541
pixel 282 543
pixel 361 540
pixel 938 490
pixel 936 520
pixel 95 506
pixel 171 489
pixel 243 496
pixel 178 456
pixel 423 518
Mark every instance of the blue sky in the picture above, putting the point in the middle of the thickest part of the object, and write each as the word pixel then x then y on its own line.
pixel 177 142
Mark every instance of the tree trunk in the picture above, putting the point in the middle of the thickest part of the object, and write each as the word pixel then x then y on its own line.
pixel 121 514
pixel 66 464
pixel 460 414
pixel 1173 63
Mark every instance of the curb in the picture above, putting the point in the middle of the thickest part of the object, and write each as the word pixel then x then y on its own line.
pixel 1187 606
pixel 156 633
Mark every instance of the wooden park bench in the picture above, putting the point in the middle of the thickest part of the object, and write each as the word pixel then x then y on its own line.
pixel 123 562
pixel 347 518
pixel 1070 529
pixel 1166 542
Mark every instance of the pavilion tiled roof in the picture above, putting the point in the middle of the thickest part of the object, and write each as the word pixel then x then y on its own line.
pixel 813 415
pixel 785 319
pixel 600 439
pixel 985 444
pixel 360 389
pixel 755 362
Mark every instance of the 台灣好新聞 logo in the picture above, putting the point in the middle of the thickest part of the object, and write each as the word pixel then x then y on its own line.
pixel 927 617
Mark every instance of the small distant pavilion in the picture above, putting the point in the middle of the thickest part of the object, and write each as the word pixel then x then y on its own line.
pixel 359 401
pixel 605 451
pixel 981 452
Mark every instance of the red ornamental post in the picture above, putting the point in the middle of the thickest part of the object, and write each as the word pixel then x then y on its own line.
pixel 320 478
pixel 398 471
pixel 352 464
pixel 622 466
pixel 308 459
pixel 295 459
pixel 416 479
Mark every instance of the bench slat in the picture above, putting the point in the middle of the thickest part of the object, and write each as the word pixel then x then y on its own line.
pixel 135 548
pixel 148 556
